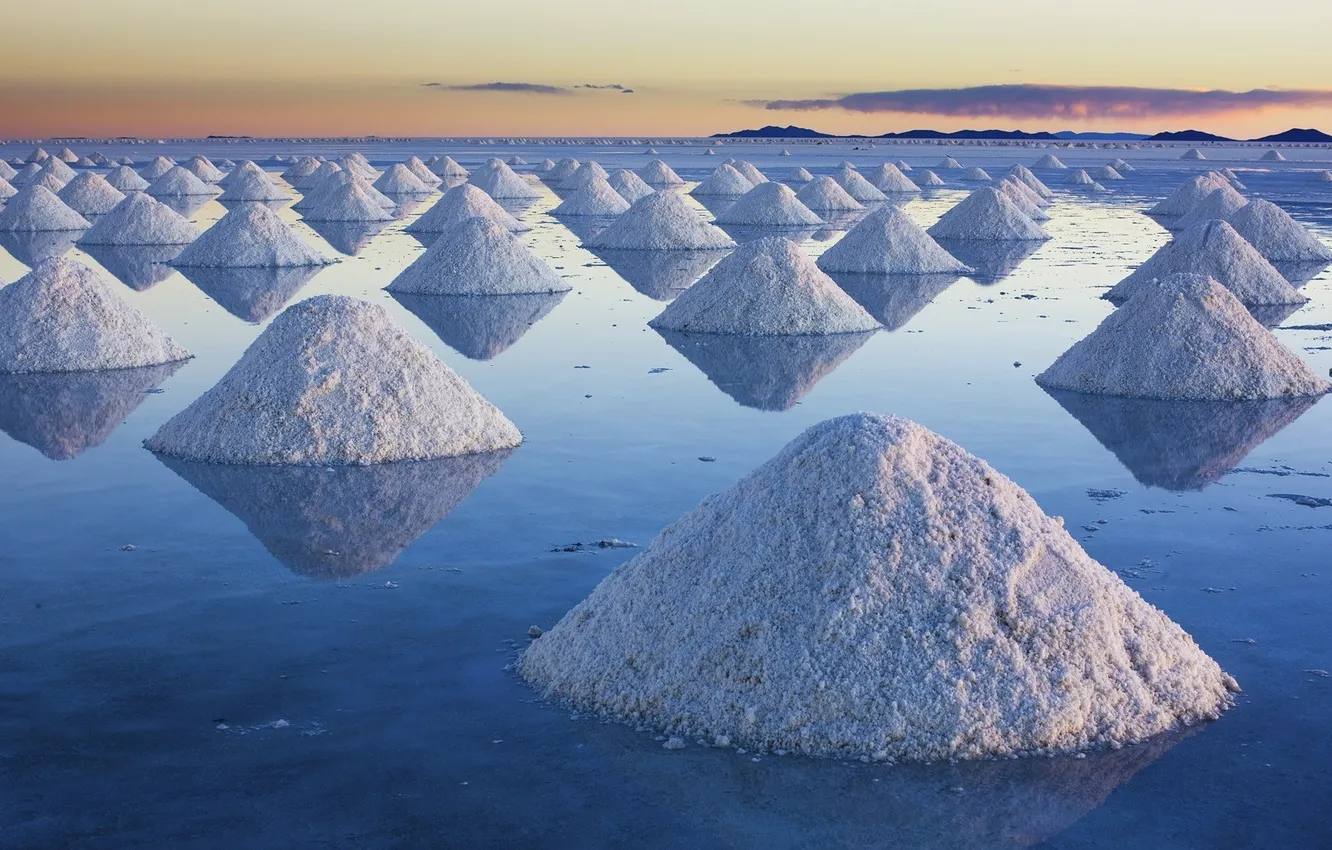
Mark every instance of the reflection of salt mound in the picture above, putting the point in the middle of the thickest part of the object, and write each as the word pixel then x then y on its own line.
pixel 889 178
pixel 399 180
pixel 893 299
pixel 629 185
pixel 752 174
pixel 1032 182
pixel 725 181
pixel 1050 161
pixel 987 214
pixel 249 182
pixel 1192 155
pixel 799 175
pixel 824 194
pixel 30 247
pixel 769 205
pixel 1277 236
pixel 500 181
pixel 63 317
pixel 945 571
pixel 179 183
pixel 479 257
pixel 347 237
pixel 765 287
pixel 1189 193
pixel 1218 204
pixel 858 187
pixel 251 294
pixel 90 194
pixel 660 222
pixel 37 208
pixel 927 179
pixel 1215 250
pixel 976 175
pixel 887 241
pixel 992 261
pixel 334 380
pixel 64 414
pixel 251 235
pixel 140 219
pixel 1273 156
pixel 594 197
pixel 1183 337
pixel 480 326
pixel 139 267
pixel 347 202
pixel 768 372
pixel 660 275
pixel 339 522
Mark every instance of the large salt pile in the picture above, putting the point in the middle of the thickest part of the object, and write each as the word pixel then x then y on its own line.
pixel 769 205
pixel 858 187
pixel 1189 193
pixel 26 174
pixel 448 167
pixel 1049 161
pixel 47 181
pixel 799 175
pixel 1031 204
pixel 1080 177
pixel 824 194
pixel 90 194
pixel 122 178
pixel 358 165
pixel 594 197
pixel 251 235
pixel 200 166
pixel 399 180
pixel 347 202
pixel 7 191
pixel 63 317
pixel 424 174
pixel 658 173
pixel 67 155
pixel 628 185
pixel 297 173
pixel 662 221
pixel 563 170
pixel 726 181
pixel 155 169
pixel 1023 173
pixel 950 164
pixel 179 183
pixel 58 169
pixel 976 175
pixel 459 204
pixel 927 179
pixel 479 257
pixel 1273 156
pixel 1193 155
pixel 1277 236
pixel 7 171
pixel 1184 336
pixel 36 208
pixel 334 380
pixel 501 182
pixel 1214 249
pixel 875 591
pixel 249 182
pixel 766 287
pixel 752 174
pixel 888 178
pixel 887 241
pixel 1107 172
pixel 1217 204
pixel 987 214
pixel 586 173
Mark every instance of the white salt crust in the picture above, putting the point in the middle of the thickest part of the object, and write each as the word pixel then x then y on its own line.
pixel 662 221
pixel 887 241
pixel 478 257
pixel 140 220
pixel 769 205
pixel 987 214
pixel 250 236
pixel 459 204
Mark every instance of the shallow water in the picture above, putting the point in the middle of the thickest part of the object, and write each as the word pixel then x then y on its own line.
pixel 198 659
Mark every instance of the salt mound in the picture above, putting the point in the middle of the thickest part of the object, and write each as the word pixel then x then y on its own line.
pixel 358 165
pixel 25 174
pixel 47 181
pixel 1122 166
pixel 725 181
pixel 1217 204
pixel 902 166
pixel 251 235
pixel 517 160
pixel 200 167
pixel 1107 172
pixel 422 173
pixel 447 166
pixel 333 380
pixel 888 178
pixel 1028 201
pixel 586 173
pixel 858 187
pixel 987 214
pixel 140 220
pixel 1183 337
pixel 38 155
pixel 1050 161
pixel 824 194
pixel 1080 178
pixel 122 178
pixel 928 178
pixel 784 152
pixel 563 170
pixel 63 317
pixel 629 185
pixel 1323 177
pixel 1214 249
pixel 298 171
pixel 594 198
pixel 769 205
pixel 399 180
pixel 125 160
pixel 752 174
pixel 59 170
pixel 319 177
pixel 1277 236
pixel 766 287
pixel 501 182
pixel 661 222
pixel 179 183
pixel 545 165
pixel 36 208
pixel 479 257
pixel 1193 155
pixel 849 585
pixel 949 164
pixel 800 175
pixel 976 175
pixel 1189 193
pixel 459 204
pixel 7 171
pixel 347 202
pixel 319 195
pixel 67 155
pixel 887 241
pixel 6 190
pixel 1273 156
pixel 249 182
pixel 1023 173
pixel 155 169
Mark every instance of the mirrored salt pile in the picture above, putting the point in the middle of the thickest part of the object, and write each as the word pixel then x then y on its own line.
pixel 253 294
pixel 887 241
pixel 36 208
pixel 725 181
pixel 659 274
pixel 1189 194
pixel 140 219
pixel 459 204
pixel 932 544
pixel 124 179
pixel 858 187
pixel 160 165
pixel 334 380
pixel 478 257
pixel 399 180
pixel 499 181
pixel 825 195
pixel 628 185
pixel 1219 204
pixel 662 221
pixel 893 299
pixel 592 197
pixel 249 182
pixel 1049 160
pixel 89 194
pixel 1277 236
pixel 346 202
pixel 889 178
pixel 769 205
pixel 987 214
pixel 347 237
pixel 140 267
pixel 251 235
pixel 179 183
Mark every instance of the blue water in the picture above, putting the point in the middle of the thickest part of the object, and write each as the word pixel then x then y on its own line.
pixel 188 669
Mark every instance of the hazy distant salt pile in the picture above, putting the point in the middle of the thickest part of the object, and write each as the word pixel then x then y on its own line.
pixel 726 181
pixel 658 173
pixel 1214 249
pixel 824 194
pixel 799 175
pixel 662 221
pixel 517 160
pixel 459 204
pixel 122 178
pixel 594 197
pixel 499 181
pixel 887 241
pixel 250 236
pixel 766 287
pixel 90 194
pixel 544 165
pixel 1193 155
pixel 925 179
pixel 769 205
pixel 1277 236
pixel 447 167
pixel 858 187
pixel 249 182
pixel 479 257
pixel 201 167
pixel 563 170
pixel 347 202
pixel 629 185
pixel 1189 193
pixel 875 591
pixel 902 166
pixel 1107 172
pixel 976 175
pixel 179 183
pixel 949 164
pixel 1273 156
pixel 1217 204
pixel 36 208
pixel 62 317
pixel 140 220
pixel 399 180
pixel 155 169
pixel 1032 182
pixel 888 178
pixel 1050 161
pixel 334 380
pixel 987 214
pixel 1184 336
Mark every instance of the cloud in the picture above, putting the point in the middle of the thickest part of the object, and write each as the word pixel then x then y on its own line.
pixel 1071 102
pixel 615 86
pixel 519 88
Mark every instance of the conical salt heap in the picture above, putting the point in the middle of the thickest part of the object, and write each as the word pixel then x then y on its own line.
pixel 628 185
pixel 249 182
pixel 927 179
pixel 155 169
pixel 179 183
pixel 752 174
pixel 36 208
pixel 517 160
pixel 63 317
pixel 1184 336
pixel 987 214
pixel 201 167
pixel 422 173
pixel 124 179
pixel 334 380
pixel 399 180
pixel 1273 156
pixel 767 287
pixel 26 174
pixel 1107 172
pixel 90 194
pixel 502 183
pixel 1214 249
pixel 7 191
pixel 478 257
pixel 449 167
pixel 594 197
pixel 875 591
pixel 725 181
pixel 887 241
pixel 657 173
pixel 7 171
pixel 140 220
pixel 1277 236
pixel 858 187
pixel 799 175
pixel 358 165
pixel 1023 173
pixel 1189 194
pixel 1027 200
pixel 661 222
pixel 58 169
pixel 586 173
pixel 1080 177
pixel 950 164
pixel 459 204
pixel 769 205
pixel 318 196
pixel 38 155
pixel 824 194
pixel 1121 165
pixel 47 181
pixel 544 166
pixel 67 155
pixel 976 175
pixel 347 202
pixel 1193 155
pixel 250 236
pixel 563 170
pixel 1049 161
pixel 1219 203
pixel 888 178
pixel 297 173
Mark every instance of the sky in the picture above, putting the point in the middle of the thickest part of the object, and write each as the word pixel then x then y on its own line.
pixel 688 67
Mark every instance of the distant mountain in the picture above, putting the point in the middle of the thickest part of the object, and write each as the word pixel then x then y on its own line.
pixel 771 132
pixel 969 134
pixel 1296 135
pixel 1070 135
pixel 1187 136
